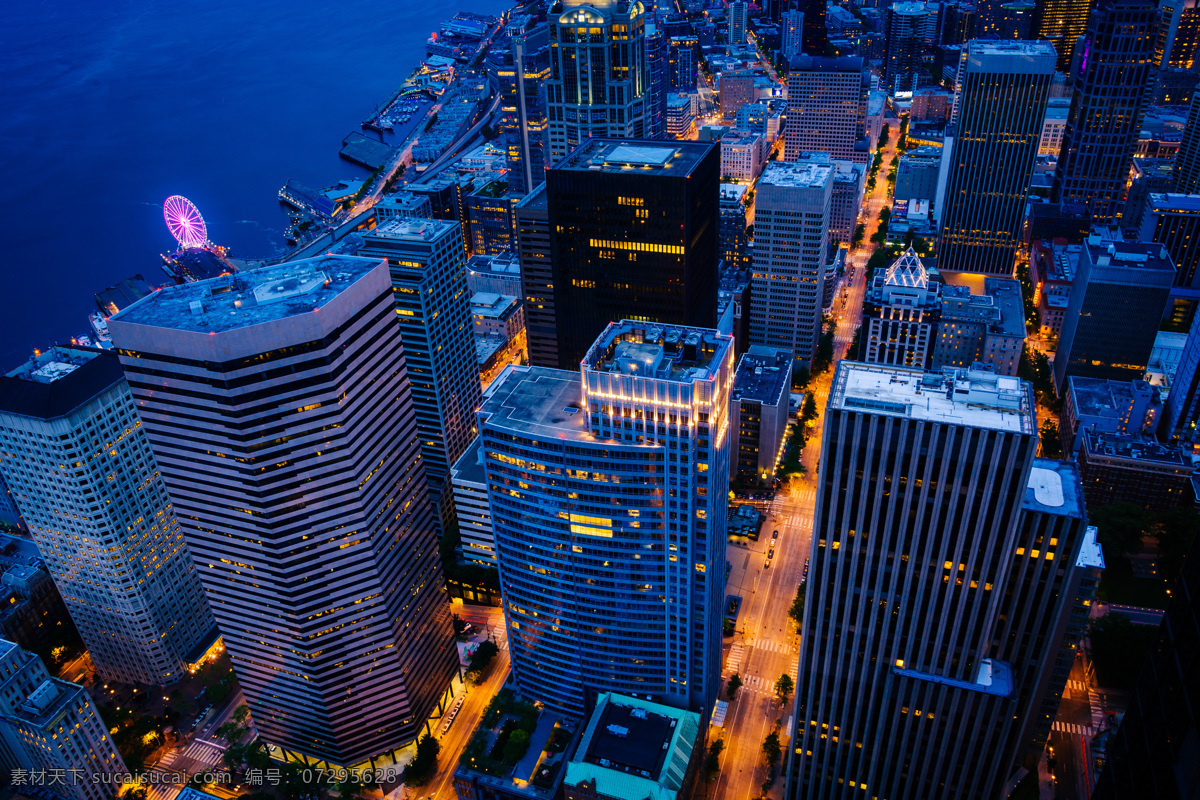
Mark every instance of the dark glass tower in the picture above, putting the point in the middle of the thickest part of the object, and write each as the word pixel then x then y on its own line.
pixel 1186 175
pixel 1061 22
pixel 633 235
pixel 815 35
pixel 998 119
pixel 524 103
pixel 658 68
pixel 1106 111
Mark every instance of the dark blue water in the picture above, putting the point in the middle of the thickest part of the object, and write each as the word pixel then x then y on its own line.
pixel 110 107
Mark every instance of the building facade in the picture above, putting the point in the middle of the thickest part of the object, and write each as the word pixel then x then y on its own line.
pixel 827 108
pixel 278 406
pixel 791 231
pixel 1126 468
pixel 524 122
pixel 935 612
pixel 1117 303
pixel 77 460
pixel 908 26
pixel 633 235
pixel 1173 220
pixel 611 96
pixel 607 489
pixel 53 729
pixel 1106 110
pixel 1062 22
pixel 761 403
pixel 999 106
pixel 433 307
pixel 901 311
pixel 537 277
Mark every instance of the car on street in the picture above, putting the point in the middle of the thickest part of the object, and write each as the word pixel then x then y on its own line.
pixel 770 553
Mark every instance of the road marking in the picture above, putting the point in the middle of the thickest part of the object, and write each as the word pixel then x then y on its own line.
pixel 1074 728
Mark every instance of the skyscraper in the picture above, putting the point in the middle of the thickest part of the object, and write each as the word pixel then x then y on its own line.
pixel 658 79
pixel 816 36
pixel 633 234
pixel 607 490
pixel 1105 116
pixel 935 611
pixel 908 25
pixel 537 277
pixel 433 304
pixel 1181 413
pixel 1001 98
pixel 1120 292
pixel 1061 22
pixel 791 229
pixel 524 105
pixel 681 51
pixel 737 22
pixel 278 406
pixel 1185 177
pixel 1173 220
pixel 598 84
pixel 77 461
pixel 791 32
pixel 52 728
pixel 827 108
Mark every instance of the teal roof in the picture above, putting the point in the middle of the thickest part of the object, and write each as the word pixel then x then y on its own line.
pixel 624 784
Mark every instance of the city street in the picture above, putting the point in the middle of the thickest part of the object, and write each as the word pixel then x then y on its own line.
pixel 766 644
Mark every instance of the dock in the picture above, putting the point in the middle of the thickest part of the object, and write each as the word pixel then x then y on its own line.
pixel 366 152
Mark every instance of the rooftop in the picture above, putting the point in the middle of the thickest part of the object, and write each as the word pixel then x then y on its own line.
pixel 954 397
pixel 56 382
pixel 250 298
pixel 660 352
pixel 538 400
pixel 490 304
pixel 733 192
pixel 1092 397
pixel 635 749
pixel 803 63
pixel 1131 447
pixel 1170 201
pixel 1012 56
pixel 506 263
pixel 994 678
pixel 764 374
pixel 908 271
pixel 803 174
pixel 1090 552
pixel 1054 488
pixel 1145 256
pixel 615 155
pixel 469 467
pixel 412 229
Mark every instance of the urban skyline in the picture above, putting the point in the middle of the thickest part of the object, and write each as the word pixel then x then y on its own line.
pixel 761 400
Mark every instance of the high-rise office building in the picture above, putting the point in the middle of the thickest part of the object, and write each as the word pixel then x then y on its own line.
pixel 791 33
pixel 682 55
pixel 737 22
pixel 523 88
pixel 433 306
pixel 1118 299
pixel 277 404
pixel 658 68
pixel 607 491
pixel 901 310
pixel 1173 220
pixel 936 611
pixel 52 728
pixel 1153 753
pixel 1001 98
pixel 733 238
pixel 737 91
pixel 791 231
pixel 77 461
pixel 827 108
pixel 1185 177
pixel 1061 22
pixel 1178 38
pixel 633 235
pixel 816 35
pixel 610 95
pixel 1105 116
pixel 908 26
pixel 1181 413
pixel 537 278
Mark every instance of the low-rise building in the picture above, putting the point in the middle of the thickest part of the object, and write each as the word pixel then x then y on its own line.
pixel 518 752
pixel 733 238
pixel 1107 406
pixel 988 328
pixel 1052 266
pixel 848 184
pixel 917 174
pixel 634 749
pixel 733 307
pixel 1054 125
pixel 498 274
pixel 1125 468
pixel 402 205
pixel 741 155
pixel 490 218
pixel 681 120
pixel 761 391
pixel 499 326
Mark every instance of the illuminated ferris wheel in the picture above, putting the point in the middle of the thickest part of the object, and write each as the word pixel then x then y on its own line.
pixel 184 222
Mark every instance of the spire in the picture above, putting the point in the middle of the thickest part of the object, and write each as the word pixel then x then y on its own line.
pixel 907 270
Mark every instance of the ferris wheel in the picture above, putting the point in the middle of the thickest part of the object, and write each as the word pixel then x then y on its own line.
pixel 184 222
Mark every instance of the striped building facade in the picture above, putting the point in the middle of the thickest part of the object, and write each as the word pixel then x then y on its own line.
pixel 277 403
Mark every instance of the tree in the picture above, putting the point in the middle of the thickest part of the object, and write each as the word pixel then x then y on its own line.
pixel 735 683
pixel 884 134
pixel 516 746
pixel 713 762
pixel 800 377
pixel 809 412
pixel 480 660
pixel 796 612
pixel 1120 526
pixel 860 230
pixel 1051 444
pixel 855 345
pixel 784 687
pixel 421 768
pixel 772 750
pixel 1176 531
pixel 1117 648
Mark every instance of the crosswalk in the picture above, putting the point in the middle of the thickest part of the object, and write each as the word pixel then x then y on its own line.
pixel 1076 686
pixel 201 750
pixel 1074 728
pixel 770 646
